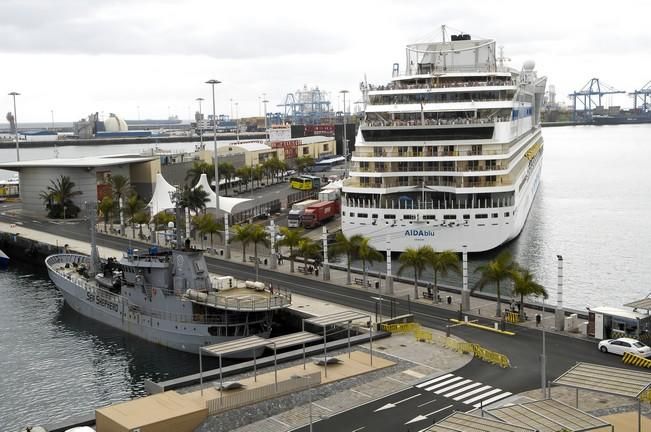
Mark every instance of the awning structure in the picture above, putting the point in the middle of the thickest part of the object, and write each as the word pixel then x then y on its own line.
pixel 226 204
pixel 548 415
pixel 293 339
pixel 339 318
pixel 606 379
pixel 610 380
pixel 462 422
pixel 645 303
pixel 161 199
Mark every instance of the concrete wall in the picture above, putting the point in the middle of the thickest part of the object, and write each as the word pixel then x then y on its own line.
pixel 143 177
pixel 33 181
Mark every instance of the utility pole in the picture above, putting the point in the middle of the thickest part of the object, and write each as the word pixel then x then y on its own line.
pixel 14 94
pixel 212 82
pixel 200 99
pixel 345 142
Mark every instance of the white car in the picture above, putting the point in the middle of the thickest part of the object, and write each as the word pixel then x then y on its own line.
pixel 624 345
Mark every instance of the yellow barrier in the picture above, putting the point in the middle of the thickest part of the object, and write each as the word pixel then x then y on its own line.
pixel 423 335
pixel 483 327
pixel 512 317
pixel 400 327
pixel 636 360
pixel 646 396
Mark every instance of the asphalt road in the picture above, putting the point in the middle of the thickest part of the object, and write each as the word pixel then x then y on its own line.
pixel 523 349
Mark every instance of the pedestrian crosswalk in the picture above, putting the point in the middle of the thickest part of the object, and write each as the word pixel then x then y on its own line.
pixel 463 390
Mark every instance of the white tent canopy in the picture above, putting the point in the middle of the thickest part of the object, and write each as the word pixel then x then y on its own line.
pixel 161 199
pixel 226 204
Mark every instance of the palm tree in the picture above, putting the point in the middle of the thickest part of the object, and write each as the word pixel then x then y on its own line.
pixel 495 272
pixel 161 219
pixel 198 168
pixel 368 254
pixel 207 224
pixel 308 249
pixel 106 208
pixel 194 199
pixel 415 259
pixel 58 197
pixel 226 171
pixel 258 234
pixel 134 205
pixel 121 187
pixel 348 246
pixel 440 262
pixel 140 218
pixel 302 163
pixel 242 235
pixel 244 173
pixel 525 285
pixel 291 238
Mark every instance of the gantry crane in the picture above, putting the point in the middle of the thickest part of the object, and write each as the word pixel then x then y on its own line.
pixel 643 96
pixel 586 95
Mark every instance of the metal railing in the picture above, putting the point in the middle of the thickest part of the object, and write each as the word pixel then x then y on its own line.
pixel 258 394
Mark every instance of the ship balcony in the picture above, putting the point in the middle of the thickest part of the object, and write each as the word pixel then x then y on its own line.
pixel 433 152
pixel 432 122
pixel 384 184
pixel 468 203
pixel 439 84
pixel 427 168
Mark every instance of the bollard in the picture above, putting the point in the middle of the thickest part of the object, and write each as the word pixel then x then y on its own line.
pixel 465 318
pixel 538 319
pixel 449 300
pixel 496 326
pixel 447 330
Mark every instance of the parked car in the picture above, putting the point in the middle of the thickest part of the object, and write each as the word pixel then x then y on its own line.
pixel 624 345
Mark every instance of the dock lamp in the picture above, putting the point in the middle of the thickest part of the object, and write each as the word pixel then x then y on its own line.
pixel 14 94
pixel 345 142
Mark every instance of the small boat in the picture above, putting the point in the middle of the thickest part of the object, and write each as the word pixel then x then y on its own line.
pixel 4 261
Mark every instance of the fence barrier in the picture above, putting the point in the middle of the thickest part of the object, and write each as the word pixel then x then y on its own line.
pixel 512 317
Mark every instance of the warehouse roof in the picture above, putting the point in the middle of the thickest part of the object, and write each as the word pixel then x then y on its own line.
pixel 93 161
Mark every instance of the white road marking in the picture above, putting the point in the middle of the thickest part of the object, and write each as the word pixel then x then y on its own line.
pixel 482 396
pixel 453 386
pixel 426 403
pixel 443 383
pixel 358 429
pixel 470 393
pixel 439 410
pixel 281 422
pixel 493 399
pixel 432 381
pixel 462 389
pixel 321 406
pixel 406 399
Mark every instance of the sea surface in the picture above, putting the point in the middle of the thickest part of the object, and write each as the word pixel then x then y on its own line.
pixel 593 207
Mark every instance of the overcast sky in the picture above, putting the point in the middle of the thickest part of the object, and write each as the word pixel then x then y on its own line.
pixel 74 57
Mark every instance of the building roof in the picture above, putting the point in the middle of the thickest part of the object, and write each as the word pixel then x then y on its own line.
pixel 252 146
pixel 645 303
pixel 85 162
pixel 337 318
pixel 462 422
pixel 606 379
pixel 293 339
pixel 235 346
pixel 315 139
pixel 619 312
pixel 548 415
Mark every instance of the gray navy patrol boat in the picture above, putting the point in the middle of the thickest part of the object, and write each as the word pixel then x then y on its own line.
pixel 166 297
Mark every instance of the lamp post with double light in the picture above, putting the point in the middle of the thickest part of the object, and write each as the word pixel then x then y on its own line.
pixel 212 82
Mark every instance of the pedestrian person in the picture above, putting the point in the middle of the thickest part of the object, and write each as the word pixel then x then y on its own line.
pixel 316 272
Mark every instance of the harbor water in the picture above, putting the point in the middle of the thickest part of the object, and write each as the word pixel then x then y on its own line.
pixel 592 208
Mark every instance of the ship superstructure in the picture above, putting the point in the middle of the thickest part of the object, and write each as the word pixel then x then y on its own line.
pixel 449 151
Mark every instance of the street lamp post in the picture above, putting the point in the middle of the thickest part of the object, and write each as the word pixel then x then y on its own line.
pixel 237 121
pixel 212 82
pixel 345 142
pixel 199 99
pixel 543 357
pixel 14 94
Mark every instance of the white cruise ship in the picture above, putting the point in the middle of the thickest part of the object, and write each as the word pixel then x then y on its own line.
pixel 449 152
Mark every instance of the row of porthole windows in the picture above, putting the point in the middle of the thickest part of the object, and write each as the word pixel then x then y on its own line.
pixel 427 217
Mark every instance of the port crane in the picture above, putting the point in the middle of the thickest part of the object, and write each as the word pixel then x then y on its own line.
pixel 590 96
pixel 643 97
